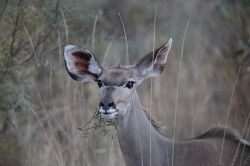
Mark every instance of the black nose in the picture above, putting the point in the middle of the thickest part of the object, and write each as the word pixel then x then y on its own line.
pixel 106 105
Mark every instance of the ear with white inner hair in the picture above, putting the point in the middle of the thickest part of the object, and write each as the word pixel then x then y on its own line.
pixel 153 63
pixel 81 64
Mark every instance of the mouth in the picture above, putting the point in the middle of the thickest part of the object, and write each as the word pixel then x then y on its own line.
pixel 108 114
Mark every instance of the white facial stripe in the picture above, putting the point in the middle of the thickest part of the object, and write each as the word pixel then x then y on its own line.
pixel 109 111
pixel 101 110
pixel 109 116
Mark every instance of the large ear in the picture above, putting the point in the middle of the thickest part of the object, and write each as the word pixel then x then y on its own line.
pixel 153 63
pixel 81 64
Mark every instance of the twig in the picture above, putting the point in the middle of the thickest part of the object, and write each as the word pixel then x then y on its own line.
pixel 4 8
pixel 83 129
pixel 44 38
pixel 178 86
pixel 107 51
pixel 93 34
pixel 65 26
pixel 151 85
pixel 31 43
pixel 15 30
pixel 126 40
pixel 230 102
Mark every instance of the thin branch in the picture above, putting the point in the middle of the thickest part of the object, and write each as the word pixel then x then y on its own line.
pixel 178 86
pixel 230 102
pixel 60 52
pixel 44 38
pixel 126 40
pixel 107 51
pixel 93 34
pixel 151 84
pixel 31 43
pixel 15 30
pixel 4 7
pixel 95 115
pixel 65 26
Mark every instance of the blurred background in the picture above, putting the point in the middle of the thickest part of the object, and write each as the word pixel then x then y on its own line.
pixel 41 107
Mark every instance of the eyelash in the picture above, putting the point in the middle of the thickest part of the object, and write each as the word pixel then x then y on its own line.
pixel 130 84
pixel 99 83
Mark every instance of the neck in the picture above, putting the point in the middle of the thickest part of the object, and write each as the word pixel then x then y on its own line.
pixel 139 140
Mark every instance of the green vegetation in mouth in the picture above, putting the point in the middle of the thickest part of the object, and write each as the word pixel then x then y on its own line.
pixel 96 122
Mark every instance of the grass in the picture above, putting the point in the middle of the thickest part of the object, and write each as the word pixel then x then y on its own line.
pixel 52 130
pixel 98 123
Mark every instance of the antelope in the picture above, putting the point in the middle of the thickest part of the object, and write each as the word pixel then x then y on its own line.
pixel 140 141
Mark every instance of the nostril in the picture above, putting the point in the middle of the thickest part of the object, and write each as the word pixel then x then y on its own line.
pixel 101 105
pixel 111 105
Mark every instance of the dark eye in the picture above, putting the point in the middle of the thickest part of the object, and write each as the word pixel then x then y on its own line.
pixel 130 84
pixel 99 83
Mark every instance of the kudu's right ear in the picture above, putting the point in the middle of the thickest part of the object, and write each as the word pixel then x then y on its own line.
pixel 81 64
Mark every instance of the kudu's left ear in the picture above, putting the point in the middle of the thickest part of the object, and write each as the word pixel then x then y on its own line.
pixel 81 64
pixel 153 63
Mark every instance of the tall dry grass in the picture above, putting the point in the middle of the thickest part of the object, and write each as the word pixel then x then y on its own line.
pixel 45 133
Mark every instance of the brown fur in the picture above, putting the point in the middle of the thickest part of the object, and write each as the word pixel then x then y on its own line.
pixel 82 61
pixel 218 132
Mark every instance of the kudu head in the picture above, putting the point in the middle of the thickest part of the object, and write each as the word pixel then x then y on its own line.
pixel 116 84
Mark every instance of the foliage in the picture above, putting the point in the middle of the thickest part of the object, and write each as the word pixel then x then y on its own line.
pixel 41 107
pixel 108 128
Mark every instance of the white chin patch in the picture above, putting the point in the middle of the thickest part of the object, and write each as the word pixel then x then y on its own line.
pixel 108 114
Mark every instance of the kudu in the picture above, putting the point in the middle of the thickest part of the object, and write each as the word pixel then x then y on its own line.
pixel 140 141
